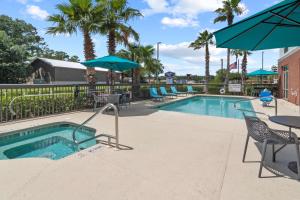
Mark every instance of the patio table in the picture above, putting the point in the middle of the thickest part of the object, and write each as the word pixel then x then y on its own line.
pixel 291 122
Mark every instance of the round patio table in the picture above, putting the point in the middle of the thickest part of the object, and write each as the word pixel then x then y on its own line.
pixel 291 122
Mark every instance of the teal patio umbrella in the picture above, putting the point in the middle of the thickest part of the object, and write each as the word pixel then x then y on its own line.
pixel 112 63
pixel 275 27
pixel 261 72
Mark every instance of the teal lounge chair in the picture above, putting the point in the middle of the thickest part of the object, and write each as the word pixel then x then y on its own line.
pixel 164 92
pixel 154 95
pixel 190 90
pixel 174 90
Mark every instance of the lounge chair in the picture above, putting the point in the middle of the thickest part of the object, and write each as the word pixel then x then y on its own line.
pixel 190 90
pixel 154 95
pixel 259 131
pixel 164 92
pixel 265 97
pixel 174 90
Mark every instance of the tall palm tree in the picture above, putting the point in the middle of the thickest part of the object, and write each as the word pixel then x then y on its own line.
pixel 203 41
pixel 152 67
pixel 116 15
pixel 244 64
pixel 74 16
pixel 237 53
pixel 227 13
pixel 143 55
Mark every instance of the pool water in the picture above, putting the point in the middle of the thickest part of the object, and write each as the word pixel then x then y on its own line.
pixel 53 141
pixel 212 106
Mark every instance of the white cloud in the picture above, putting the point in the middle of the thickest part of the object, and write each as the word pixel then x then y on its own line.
pixel 67 35
pixel 187 60
pixel 182 51
pixel 182 59
pixel 211 30
pixel 184 13
pixel 156 6
pixel 245 9
pixel 193 8
pixel 22 1
pixel 36 12
pixel 26 1
pixel 185 7
pixel 179 22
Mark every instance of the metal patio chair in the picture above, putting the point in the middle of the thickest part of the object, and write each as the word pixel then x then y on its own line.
pixel 99 99
pixel 114 99
pixel 125 100
pixel 260 132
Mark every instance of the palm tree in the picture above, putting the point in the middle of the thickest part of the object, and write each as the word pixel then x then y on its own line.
pixel 153 67
pixel 116 15
pixel 203 41
pixel 237 53
pixel 143 55
pixel 74 16
pixel 244 64
pixel 227 12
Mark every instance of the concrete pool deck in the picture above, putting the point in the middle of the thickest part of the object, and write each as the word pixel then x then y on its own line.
pixel 174 156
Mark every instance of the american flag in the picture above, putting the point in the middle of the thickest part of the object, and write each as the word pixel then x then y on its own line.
pixel 233 66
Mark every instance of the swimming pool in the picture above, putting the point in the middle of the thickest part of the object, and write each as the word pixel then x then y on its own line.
pixel 53 141
pixel 212 106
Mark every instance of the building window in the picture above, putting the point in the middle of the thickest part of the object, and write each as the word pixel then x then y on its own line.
pixel 285 50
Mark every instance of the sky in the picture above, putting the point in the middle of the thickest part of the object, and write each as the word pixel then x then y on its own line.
pixel 174 23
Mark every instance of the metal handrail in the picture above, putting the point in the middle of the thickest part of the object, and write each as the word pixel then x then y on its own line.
pixel 276 106
pixel 116 137
pixel 31 95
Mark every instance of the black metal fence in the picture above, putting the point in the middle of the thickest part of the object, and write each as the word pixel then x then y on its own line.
pixel 21 101
pixel 29 101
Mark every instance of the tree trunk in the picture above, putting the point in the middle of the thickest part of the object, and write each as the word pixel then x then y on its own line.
pixel 89 51
pixel 111 49
pixel 207 75
pixel 112 42
pixel 229 21
pixel 244 66
pixel 228 67
pixel 135 83
pixel 89 54
pixel 135 76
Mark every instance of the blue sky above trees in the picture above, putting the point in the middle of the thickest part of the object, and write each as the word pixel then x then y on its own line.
pixel 175 23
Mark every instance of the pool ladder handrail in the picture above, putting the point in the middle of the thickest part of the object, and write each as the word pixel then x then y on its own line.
pixel 251 99
pixel 116 137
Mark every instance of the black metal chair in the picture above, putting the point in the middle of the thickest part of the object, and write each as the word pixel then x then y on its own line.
pixel 114 99
pixel 125 100
pixel 260 132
